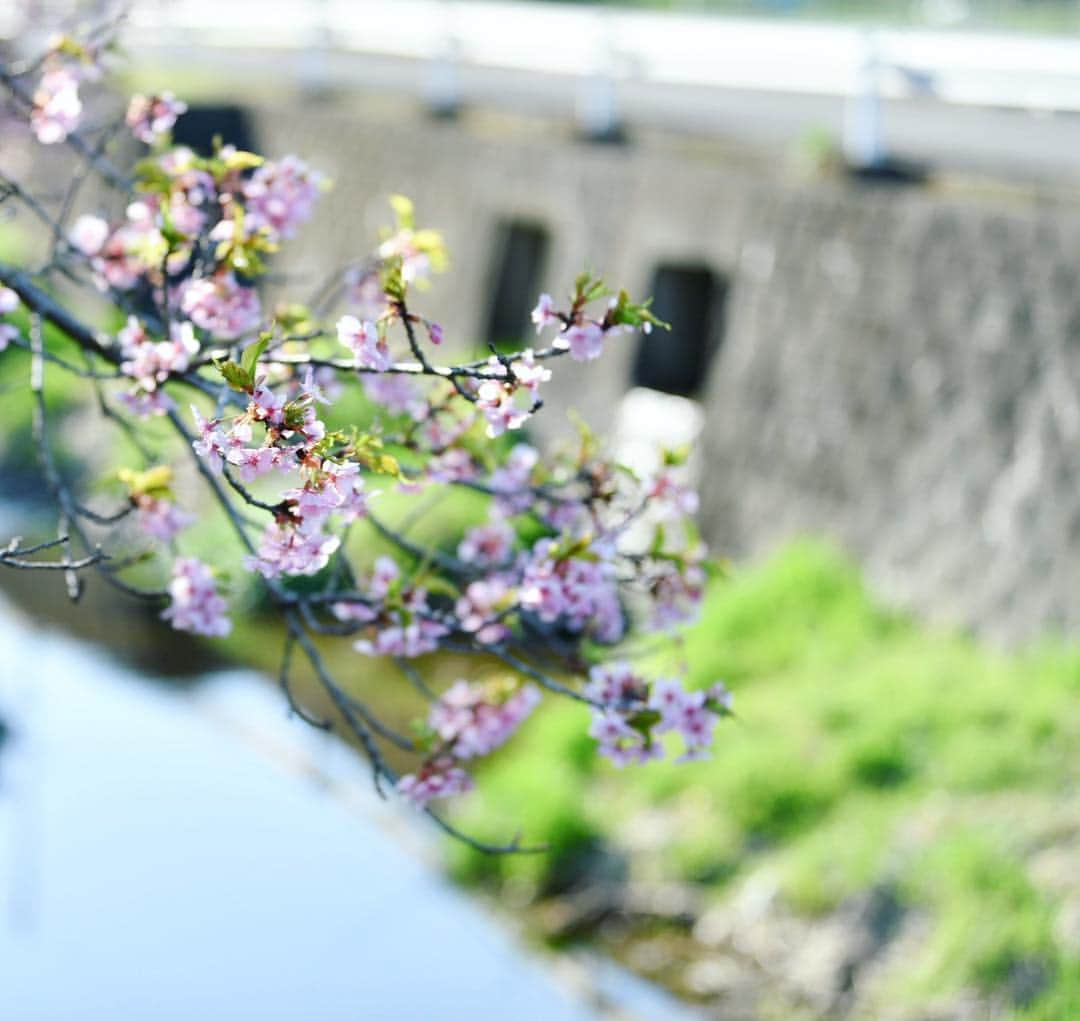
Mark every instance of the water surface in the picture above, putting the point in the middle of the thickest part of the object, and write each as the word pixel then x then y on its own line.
pixel 192 853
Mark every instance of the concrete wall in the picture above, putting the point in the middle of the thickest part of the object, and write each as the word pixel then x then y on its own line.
pixel 899 367
pixel 906 380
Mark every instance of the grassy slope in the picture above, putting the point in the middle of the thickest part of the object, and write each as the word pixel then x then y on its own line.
pixel 868 750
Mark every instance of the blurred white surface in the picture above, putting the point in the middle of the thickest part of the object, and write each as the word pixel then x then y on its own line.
pixel 979 68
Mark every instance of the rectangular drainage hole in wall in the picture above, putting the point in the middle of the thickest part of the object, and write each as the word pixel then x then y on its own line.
pixel 202 123
pixel 691 297
pixel 515 275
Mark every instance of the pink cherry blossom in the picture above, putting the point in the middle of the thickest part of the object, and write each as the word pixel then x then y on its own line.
pixel 346 480
pixel 567 516
pixel 615 684
pixel 453 465
pixel 281 195
pixel 9 302
pixel 670 497
pixel 402 637
pixel 437 779
pixel 676 595
pixel 57 107
pixel 161 518
pixel 355 610
pixel 310 389
pixel 364 292
pixel 626 731
pixel 487 545
pixel 398 393
pixel 621 743
pixel 119 263
pixel 581 593
pixel 254 462
pixel 669 699
pixel 441 431
pixel 610 727
pixel 401 621
pixel 472 720
pixel 221 306
pixel 195 604
pixel 386 573
pixel 336 488
pixel 88 234
pixel 146 403
pixel 362 338
pixel 287 550
pixel 695 723
pixel 544 314
pixel 151 362
pixel 211 443
pixel 151 118
pixel 528 372
pixel 721 696
pixel 267 406
pixel 496 400
pixel 415 264
pixel 479 610
pixel 585 341
pixel 311 428
pixel 510 481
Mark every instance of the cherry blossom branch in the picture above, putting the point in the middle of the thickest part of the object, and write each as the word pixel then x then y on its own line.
pixel 14 555
pixel 553 576
pixel 283 681
pixel 108 173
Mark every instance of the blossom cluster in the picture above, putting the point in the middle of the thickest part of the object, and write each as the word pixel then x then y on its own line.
pixel 630 713
pixel 161 518
pixel 57 106
pixel 395 615
pixel 581 336
pixel 9 303
pixel 574 553
pixel 195 603
pixel 151 118
pixel 292 442
pixel 577 588
pixel 468 721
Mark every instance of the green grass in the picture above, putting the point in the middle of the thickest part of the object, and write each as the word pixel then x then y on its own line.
pixel 867 750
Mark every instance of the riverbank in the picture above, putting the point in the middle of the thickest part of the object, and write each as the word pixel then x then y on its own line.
pixel 890 828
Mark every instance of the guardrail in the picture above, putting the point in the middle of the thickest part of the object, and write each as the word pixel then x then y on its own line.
pixel 657 67
pixel 985 69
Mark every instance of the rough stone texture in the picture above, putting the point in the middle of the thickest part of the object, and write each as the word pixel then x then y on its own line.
pixel 904 379
pixel 898 368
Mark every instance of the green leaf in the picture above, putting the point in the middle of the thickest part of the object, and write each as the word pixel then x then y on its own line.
pixel 437 585
pixel 644 720
pixel 675 457
pixel 151 176
pixel 252 354
pixel 238 159
pixel 393 284
pixel 156 481
pixel 404 211
pixel 235 375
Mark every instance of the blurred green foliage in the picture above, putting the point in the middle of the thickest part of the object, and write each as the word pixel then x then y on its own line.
pixel 868 750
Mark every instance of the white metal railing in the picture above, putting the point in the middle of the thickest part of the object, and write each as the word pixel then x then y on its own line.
pixel 985 69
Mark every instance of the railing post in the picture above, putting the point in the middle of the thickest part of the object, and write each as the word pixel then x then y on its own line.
pixel 598 114
pixel 864 146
